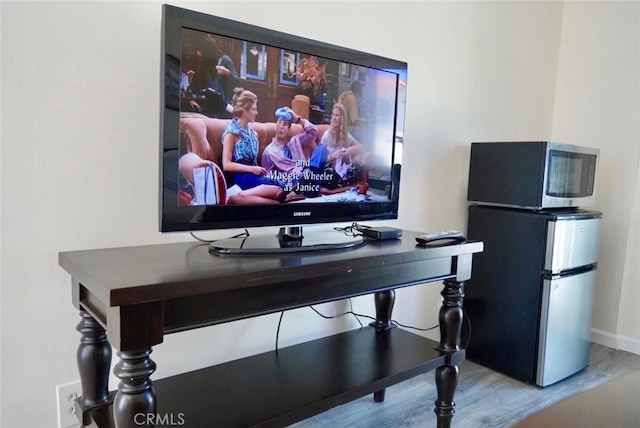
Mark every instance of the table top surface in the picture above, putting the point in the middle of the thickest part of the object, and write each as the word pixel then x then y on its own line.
pixel 160 267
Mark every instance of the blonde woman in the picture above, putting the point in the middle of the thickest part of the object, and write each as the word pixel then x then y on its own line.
pixel 345 155
pixel 240 154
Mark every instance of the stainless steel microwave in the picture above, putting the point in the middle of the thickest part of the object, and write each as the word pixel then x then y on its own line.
pixel 532 174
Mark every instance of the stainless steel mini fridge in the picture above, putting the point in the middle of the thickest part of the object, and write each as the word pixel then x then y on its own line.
pixel 530 301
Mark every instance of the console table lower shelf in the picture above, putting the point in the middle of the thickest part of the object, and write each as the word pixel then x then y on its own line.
pixel 278 388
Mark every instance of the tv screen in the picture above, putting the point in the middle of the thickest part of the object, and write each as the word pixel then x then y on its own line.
pixel 263 128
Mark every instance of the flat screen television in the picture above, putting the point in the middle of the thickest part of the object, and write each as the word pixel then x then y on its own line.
pixel 204 58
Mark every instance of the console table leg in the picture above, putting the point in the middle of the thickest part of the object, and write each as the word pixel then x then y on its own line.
pixel 94 361
pixel 450 315
pixel 384 301
pixel 446 383
pixel 134 405
pixel 450 319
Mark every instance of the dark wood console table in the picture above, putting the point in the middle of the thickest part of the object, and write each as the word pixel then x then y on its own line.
pixel 133 296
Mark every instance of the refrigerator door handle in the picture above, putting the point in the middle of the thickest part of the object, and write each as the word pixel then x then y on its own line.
pixel 569 272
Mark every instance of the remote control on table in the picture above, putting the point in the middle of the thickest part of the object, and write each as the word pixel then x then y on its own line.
pixel 427 238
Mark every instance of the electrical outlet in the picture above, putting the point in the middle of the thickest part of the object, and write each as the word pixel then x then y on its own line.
pixel 66 395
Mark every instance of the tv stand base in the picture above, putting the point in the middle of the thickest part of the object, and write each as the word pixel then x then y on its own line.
pixel 288 241
pixel 178 287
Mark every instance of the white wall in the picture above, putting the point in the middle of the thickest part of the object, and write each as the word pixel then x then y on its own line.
pixel 80 104
pixel 1 188
pixel 598 104
pixel 628 330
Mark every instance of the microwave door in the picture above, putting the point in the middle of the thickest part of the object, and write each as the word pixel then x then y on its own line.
pixel 569 178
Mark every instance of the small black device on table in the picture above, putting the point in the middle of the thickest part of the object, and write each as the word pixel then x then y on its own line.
pixel 381 233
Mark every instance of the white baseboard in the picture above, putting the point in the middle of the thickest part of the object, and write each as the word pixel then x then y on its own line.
pixel 610 340
pixel 629 344
pixel 604 338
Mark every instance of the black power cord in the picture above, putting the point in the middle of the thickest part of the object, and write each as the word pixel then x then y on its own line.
pixel 209 241
pixel 341 315
pixel 357 316
pixel 278 330
pixel 354 229
pixel 466 317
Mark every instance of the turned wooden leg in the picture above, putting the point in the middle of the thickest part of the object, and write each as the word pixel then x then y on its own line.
pixel 384 301
pixel 94 361
pixel 450 318
pixel 446 383
pixel 135 394
pixel 450 315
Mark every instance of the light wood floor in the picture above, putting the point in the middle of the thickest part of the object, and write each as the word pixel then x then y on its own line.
pixel 484 398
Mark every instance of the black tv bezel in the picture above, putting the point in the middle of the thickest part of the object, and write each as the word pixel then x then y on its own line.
pixel 174 218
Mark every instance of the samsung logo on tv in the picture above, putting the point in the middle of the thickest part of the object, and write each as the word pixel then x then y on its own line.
pixel 302 213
